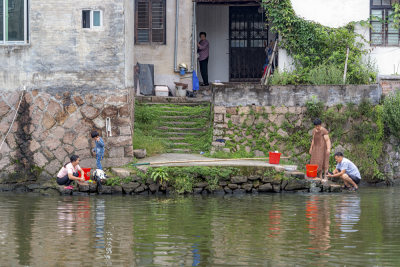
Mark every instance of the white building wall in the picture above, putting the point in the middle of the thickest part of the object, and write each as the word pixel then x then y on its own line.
pixel 62 55
pixel 214 20
pixel 162 56
pixel 336 13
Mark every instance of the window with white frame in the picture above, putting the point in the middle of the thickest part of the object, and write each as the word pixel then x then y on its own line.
pixel 92 18
pixel 14 22
pixel 384 32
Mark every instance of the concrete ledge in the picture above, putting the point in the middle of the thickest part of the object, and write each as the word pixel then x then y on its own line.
pixel 230 95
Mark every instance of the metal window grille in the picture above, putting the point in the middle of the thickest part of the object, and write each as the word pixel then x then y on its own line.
pixel 150 21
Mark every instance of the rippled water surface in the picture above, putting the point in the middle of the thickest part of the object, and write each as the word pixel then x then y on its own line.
pixel 352 229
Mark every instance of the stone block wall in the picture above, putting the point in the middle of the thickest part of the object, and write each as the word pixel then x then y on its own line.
pixel 389 84
pixel 52 125
pixel 255 129
pixel 391 159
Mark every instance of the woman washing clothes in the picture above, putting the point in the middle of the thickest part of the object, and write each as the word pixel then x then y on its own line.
pixel 70 172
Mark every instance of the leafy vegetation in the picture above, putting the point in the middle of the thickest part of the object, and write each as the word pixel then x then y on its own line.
pixel 391 113
pixel 159 175
pixel 319 52
pixel 117 181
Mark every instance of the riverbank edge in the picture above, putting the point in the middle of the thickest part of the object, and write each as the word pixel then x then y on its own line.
pixel 243 180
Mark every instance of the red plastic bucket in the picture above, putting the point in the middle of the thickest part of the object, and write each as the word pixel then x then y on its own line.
pixel 274 157
pixel 86 173
pixel 312 170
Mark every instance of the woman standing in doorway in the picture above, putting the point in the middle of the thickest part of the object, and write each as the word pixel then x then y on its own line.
pixel 203 50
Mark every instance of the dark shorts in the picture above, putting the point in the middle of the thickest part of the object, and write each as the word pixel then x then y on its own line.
pixel 65 180
pixel 355 179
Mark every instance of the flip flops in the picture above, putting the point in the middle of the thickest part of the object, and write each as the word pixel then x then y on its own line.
pixel 69 187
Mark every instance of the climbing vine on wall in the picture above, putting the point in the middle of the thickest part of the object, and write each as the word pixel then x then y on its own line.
pixel 311 44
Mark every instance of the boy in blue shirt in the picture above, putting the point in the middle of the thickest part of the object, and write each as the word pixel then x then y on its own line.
pixel 99 148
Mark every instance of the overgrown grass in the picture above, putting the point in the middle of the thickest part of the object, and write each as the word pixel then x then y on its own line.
pixel 325 74
pixel 152 144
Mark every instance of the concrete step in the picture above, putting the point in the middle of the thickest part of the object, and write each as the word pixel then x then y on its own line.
pixel 181 144
pixel 175 117
pixel 180 133
pixel 174 111
pixel 176 138
pixel 181 129
pixel 180 150
pixel 200 103
pixel 181 122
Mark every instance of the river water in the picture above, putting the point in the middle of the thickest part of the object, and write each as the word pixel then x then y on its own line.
pixel 344 229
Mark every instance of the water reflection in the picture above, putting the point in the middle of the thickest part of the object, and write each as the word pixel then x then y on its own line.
pixel 319 222
pixel 265 230
pixel 100 216
pixel 24 221
pixel 274 222
pixel 348 214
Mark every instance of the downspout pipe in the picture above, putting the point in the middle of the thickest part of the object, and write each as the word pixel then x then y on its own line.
pixel 193 48
pixel 176 36
pixel 194 35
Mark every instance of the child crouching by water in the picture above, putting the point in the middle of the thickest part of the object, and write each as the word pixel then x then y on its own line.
pixel 70 172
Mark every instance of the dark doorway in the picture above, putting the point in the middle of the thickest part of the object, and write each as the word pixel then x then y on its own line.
pixel 247 33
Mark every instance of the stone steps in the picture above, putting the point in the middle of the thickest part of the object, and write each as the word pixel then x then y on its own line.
pixel 178 122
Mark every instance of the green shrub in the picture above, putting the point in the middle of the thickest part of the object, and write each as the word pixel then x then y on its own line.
pixel 391 113
pixel 326 74
pixel 315 108
pixel 312 45
pixel 183 184
pixel 113 181
pixel 159 174
pixel 287 77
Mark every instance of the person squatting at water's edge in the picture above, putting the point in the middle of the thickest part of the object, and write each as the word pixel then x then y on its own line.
pixel 70 172
pixel 347 171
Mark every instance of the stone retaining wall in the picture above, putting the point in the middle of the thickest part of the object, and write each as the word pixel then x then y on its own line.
pixel 254 128
pixel 256 120
pixel 52 125
pixel 391 160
